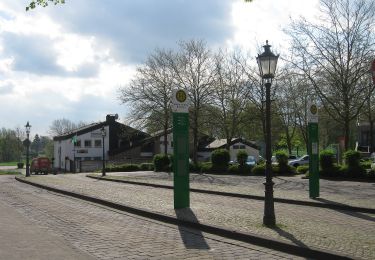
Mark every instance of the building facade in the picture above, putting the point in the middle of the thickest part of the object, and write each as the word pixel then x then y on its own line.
pixel 82 148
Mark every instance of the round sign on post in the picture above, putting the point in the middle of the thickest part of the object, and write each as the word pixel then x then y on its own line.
pixel 312 113
pixel 180 101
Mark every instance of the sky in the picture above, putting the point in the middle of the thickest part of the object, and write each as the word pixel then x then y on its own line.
pixel 68 61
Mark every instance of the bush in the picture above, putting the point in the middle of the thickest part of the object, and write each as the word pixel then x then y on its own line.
pixel 123 168
pixel 220 160
pixel 206 167
pixel 20 165
pixel 261 170
pixel 333 171
pixel 238 169
pixel 284 168
pixel 365 164
pixel 161 162
pixel 352 160
pixel 242 157
pixel 194 167
pixel 146 166
pixel 282 157
pixel 302 169
pixel 326 159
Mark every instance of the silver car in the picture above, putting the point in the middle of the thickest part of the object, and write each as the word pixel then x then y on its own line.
pixel 303 160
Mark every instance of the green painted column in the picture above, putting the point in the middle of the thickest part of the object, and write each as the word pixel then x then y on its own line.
pixel 313 137
pixel 181 160
pixel 181 187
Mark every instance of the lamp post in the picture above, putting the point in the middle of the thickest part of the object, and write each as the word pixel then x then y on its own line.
pixel 103 135
pixel 27 126
pixel 267 62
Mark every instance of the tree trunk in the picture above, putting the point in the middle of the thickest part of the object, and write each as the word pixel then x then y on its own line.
pixel 346 134
pixel 195 138
pixel 371 136
pixel 166 138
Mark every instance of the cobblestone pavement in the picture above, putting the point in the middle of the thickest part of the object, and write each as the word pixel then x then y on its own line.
pixel 336 230
pixel 359 194
pixel 104 233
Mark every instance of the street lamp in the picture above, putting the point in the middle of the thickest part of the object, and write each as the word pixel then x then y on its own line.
pixel 27 142
pixel 103 135
pixel 267 62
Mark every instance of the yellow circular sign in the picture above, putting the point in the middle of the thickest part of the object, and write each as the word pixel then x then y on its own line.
pixel 181 96
pixel 313 109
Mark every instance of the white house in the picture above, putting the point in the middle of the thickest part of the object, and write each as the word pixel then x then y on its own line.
pixel 87 149
pixel 234 146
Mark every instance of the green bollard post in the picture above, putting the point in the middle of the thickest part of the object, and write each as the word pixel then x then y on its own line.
pixel 313 137
pixel 181 187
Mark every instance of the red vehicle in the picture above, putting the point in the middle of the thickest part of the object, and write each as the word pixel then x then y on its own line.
pixel 40 165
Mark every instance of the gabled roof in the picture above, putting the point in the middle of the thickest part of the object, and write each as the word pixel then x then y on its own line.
pixel 80 131
pixel 96 126
pixel 221 143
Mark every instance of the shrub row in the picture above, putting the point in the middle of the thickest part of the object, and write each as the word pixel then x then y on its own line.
pixel 123 168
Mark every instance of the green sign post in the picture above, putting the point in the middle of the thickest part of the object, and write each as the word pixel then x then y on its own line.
pixel 313 151
pixel 180 108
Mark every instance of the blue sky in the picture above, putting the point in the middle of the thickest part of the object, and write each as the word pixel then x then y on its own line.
pixel 68 61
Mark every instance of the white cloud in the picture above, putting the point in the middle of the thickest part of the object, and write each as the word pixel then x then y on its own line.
pixel 69 61
pixel 264 20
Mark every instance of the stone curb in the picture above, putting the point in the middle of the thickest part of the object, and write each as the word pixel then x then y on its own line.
pixel 246 196
pixel 258 240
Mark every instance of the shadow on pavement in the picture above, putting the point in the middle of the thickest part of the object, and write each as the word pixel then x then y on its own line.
pixel 347 212
pixel 289 236
pixel 210 179
pixel 192 238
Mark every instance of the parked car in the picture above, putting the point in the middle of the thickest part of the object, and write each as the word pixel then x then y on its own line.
pixel 292 157
pixel 303 160
pixel 40 165
pixel 251 160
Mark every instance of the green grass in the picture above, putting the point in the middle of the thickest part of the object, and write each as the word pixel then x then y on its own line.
pixel 8 163
pixel 9 172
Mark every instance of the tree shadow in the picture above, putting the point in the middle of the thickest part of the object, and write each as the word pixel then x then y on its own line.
pixel 347 212
pixel 210 179
pixel 192 238
pixel 289 236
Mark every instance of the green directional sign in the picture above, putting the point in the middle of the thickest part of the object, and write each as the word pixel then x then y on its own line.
pixel 180 108
pixel 313 137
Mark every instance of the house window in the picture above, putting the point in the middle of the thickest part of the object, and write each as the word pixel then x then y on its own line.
pixel 98 143
pixel 77 143
pixel 87 143
pixel 239 146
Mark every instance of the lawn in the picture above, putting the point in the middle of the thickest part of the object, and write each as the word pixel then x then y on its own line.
pixel 3 172
pixel 8 163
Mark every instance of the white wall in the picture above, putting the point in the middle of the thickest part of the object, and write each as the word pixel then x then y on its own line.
pixel 81 152
pixel 169 139
pixel 250 151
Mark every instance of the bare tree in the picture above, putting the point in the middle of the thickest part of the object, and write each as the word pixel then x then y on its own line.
pixel 231 94
pixel 149 93
pixel 334 54
pixel 61 126
pixel 193 69
pixel 286 106
pixel 368 113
